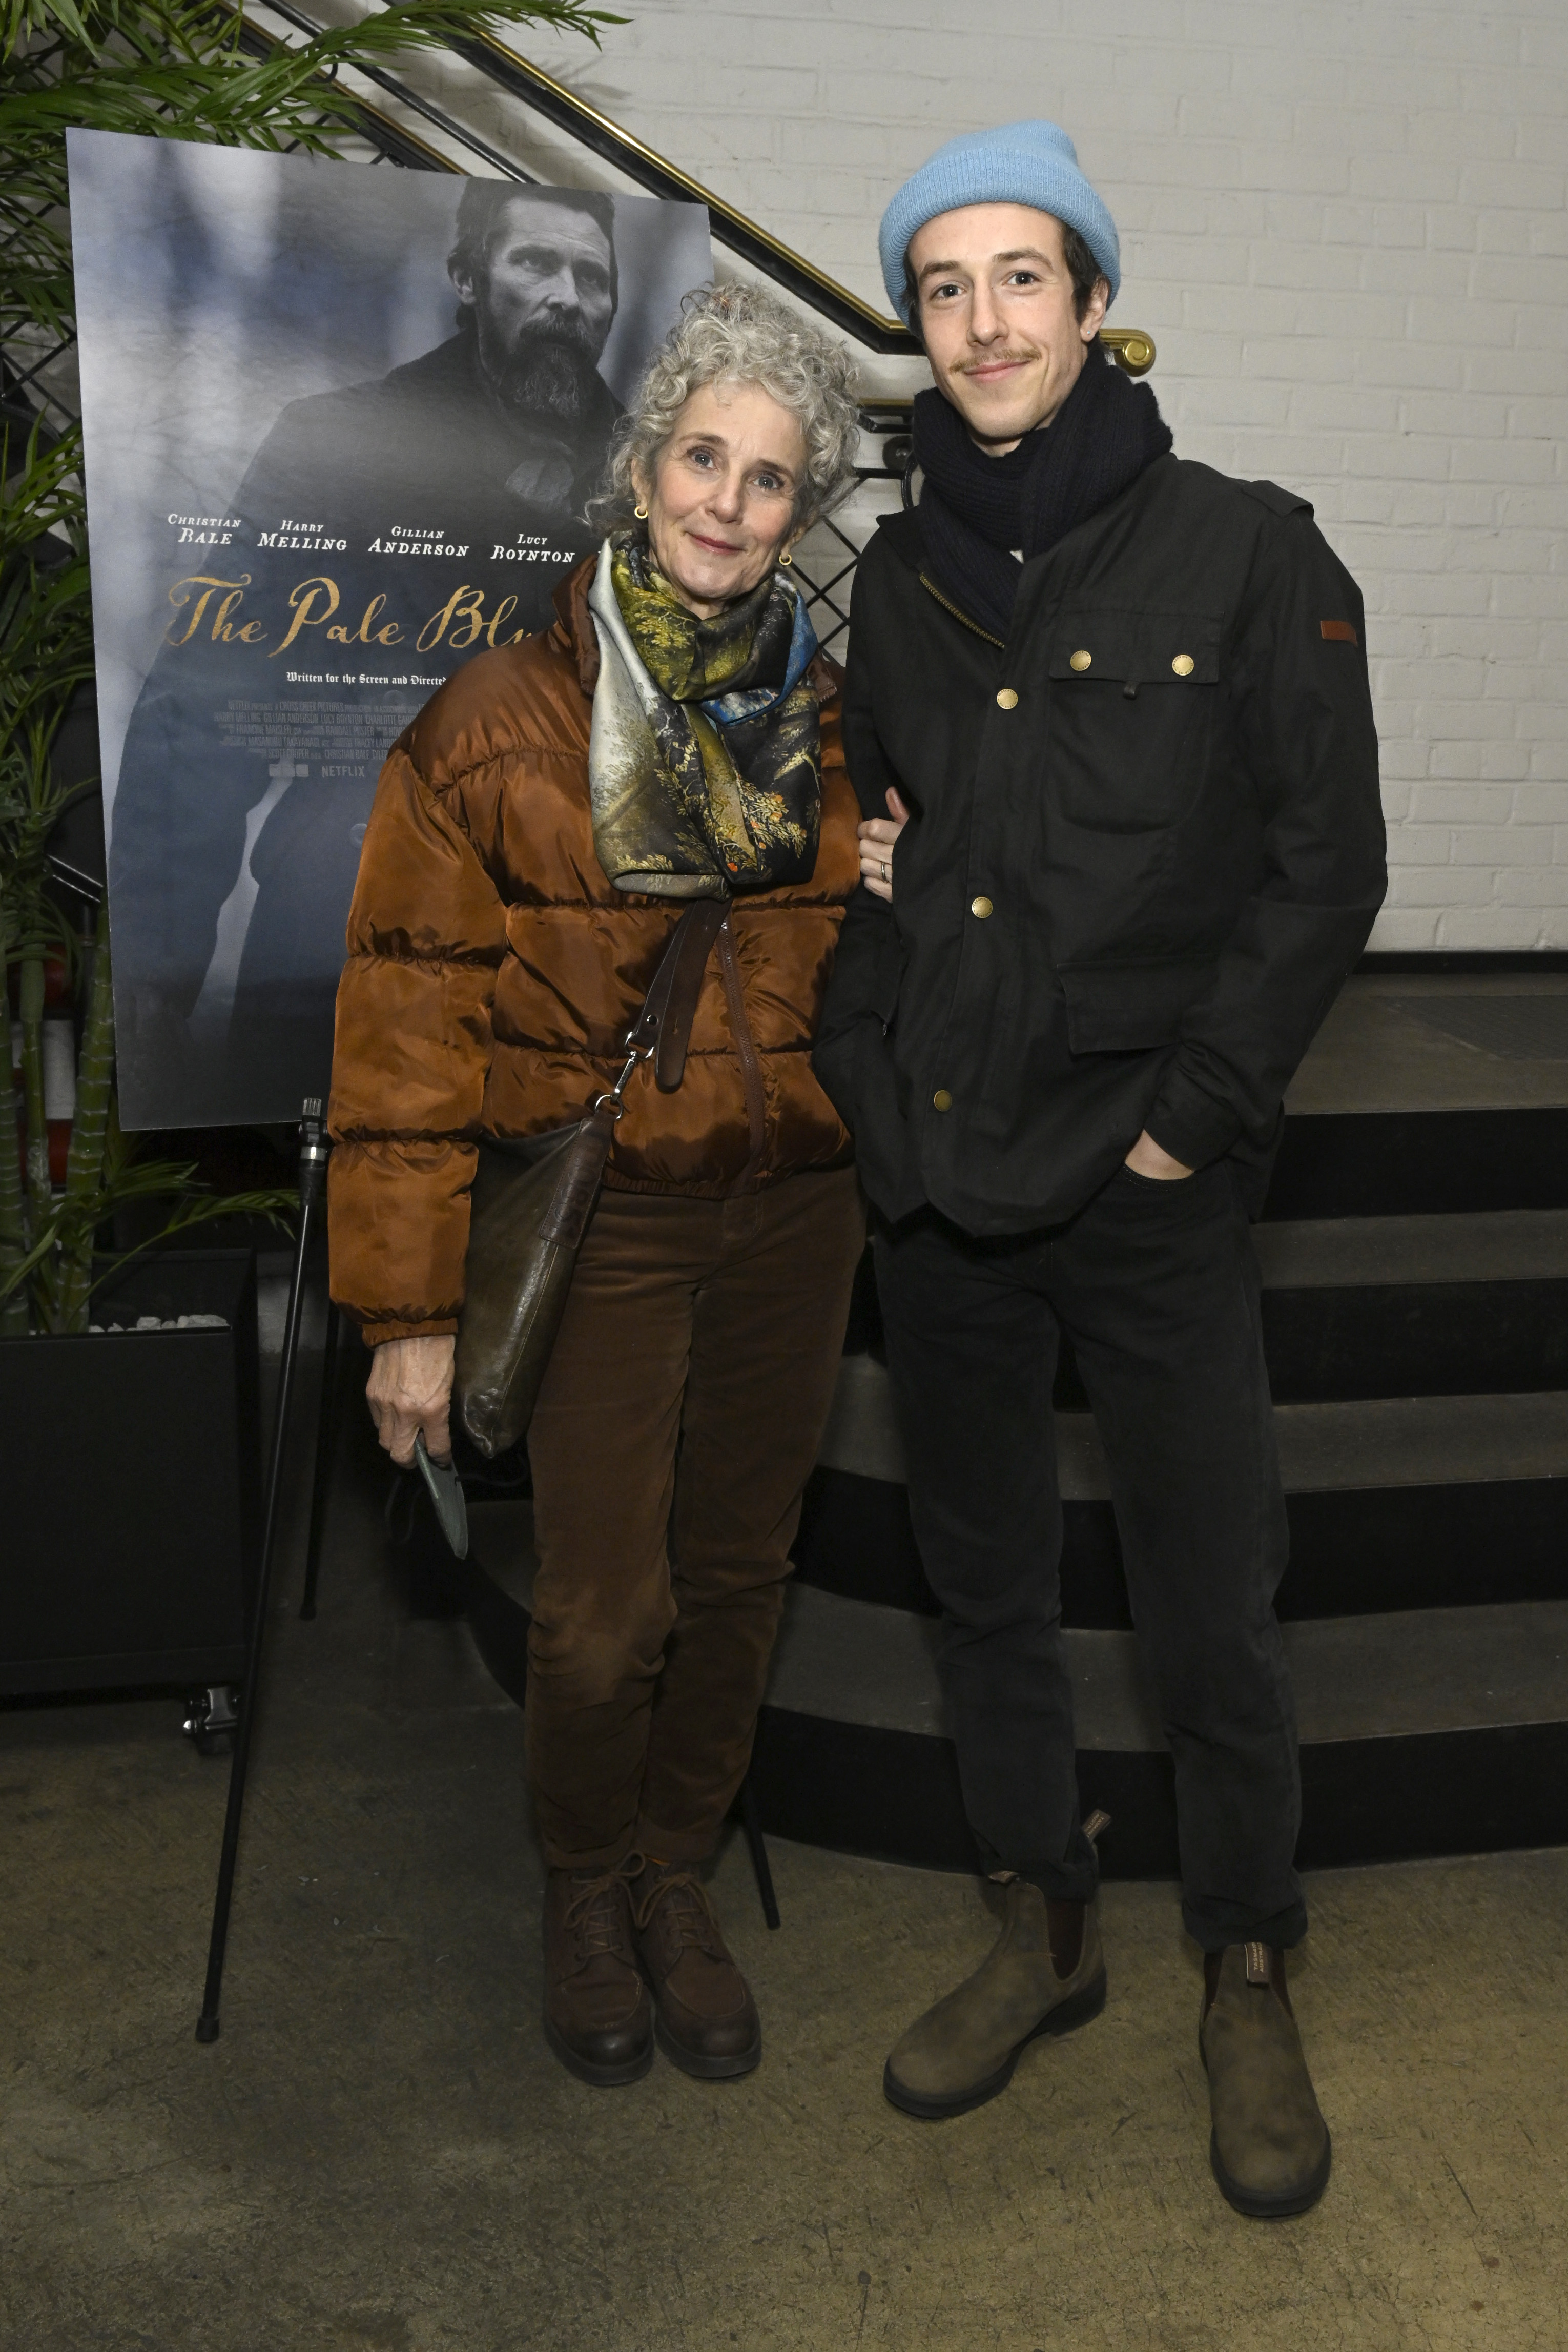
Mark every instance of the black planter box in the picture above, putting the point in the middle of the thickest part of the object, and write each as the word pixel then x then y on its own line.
pixel 130 1487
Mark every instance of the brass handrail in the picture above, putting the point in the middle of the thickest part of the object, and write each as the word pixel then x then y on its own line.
pixel 1131 347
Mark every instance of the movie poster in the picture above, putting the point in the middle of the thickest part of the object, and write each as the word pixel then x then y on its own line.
pixel 342 425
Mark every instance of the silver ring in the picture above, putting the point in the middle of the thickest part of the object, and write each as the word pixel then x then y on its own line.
pixel 885 869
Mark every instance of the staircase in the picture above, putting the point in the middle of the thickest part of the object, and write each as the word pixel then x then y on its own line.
pixel 1415 1264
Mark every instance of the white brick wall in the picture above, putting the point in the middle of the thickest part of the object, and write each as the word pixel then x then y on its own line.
pixel 1344 222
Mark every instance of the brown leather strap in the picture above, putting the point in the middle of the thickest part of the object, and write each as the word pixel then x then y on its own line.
pixel 665 1021
pixel 577 1185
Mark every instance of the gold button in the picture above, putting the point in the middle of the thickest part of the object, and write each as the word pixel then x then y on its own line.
pixel 1078 660
pixel 941 1099
pixel 1184 665
pixel 1007 699
pixel 981 907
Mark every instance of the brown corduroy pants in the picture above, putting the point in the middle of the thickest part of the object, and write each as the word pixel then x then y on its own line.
pixel 676 1427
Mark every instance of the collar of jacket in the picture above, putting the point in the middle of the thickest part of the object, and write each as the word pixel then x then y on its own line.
pixel 904 535
pixel 575 633
pixel 574 630
pixel 902 531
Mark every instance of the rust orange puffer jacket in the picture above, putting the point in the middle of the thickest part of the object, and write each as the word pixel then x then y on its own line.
pixel 493 971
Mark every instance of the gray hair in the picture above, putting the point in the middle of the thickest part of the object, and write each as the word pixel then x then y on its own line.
pixel 734 334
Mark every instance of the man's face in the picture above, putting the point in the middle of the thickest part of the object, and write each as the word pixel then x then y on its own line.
pixel 543 303
pixel 996 315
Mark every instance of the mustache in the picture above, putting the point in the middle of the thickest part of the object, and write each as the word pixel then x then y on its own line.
pixel 568 329
pixel 996 358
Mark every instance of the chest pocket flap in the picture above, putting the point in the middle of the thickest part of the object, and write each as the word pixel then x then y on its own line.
pixel 1131 713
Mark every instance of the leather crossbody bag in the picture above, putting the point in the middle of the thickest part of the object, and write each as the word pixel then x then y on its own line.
pixel 532 1199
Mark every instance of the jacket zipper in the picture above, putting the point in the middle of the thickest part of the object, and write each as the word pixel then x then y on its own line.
pixel 948 606
pixel 745 1050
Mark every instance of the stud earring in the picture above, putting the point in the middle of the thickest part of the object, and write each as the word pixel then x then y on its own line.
pixel 641 513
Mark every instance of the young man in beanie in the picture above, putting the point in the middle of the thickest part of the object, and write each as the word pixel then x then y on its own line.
pixel 1124 702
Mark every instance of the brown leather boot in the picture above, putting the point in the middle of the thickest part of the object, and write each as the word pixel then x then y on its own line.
pixel 597 2018
pixel 704 2017
pixel 1045 1975
pixel 1270 2147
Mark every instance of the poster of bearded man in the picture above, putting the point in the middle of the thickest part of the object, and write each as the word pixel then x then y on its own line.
pixel 341 426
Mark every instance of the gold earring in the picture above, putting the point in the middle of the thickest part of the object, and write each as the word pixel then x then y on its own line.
pixel 786 557
pixel 641 513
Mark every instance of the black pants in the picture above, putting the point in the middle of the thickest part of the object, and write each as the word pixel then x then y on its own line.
pixel 1157 1285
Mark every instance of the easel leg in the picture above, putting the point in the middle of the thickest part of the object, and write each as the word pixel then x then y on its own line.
pixel 752 1825
pixel 313 1153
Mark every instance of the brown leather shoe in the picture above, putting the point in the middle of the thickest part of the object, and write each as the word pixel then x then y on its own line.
pixel 1270 2147
pixel 597 2018
pixel 704 2017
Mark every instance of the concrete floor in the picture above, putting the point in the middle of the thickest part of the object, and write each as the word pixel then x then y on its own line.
pixel 379 2152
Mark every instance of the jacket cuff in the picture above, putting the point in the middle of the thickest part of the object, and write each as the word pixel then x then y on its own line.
pixel 1189 1123
pixel 374 1334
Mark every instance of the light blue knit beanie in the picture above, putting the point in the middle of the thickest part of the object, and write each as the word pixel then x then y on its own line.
pixel 1018 163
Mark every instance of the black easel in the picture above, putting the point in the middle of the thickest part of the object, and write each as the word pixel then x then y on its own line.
pixel 314 1149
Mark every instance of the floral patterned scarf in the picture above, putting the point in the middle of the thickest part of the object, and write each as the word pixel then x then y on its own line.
pixel 705 761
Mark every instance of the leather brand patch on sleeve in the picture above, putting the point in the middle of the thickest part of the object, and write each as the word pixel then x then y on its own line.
pixel 1339 632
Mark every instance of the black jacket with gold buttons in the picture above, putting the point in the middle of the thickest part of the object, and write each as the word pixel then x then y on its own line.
pixel 1146 849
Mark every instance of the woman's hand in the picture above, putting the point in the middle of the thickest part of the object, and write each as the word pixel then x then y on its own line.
pixel 410 1389
pixel 876 840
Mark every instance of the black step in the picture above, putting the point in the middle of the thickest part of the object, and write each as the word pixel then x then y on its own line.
pixel 1431 1092
pixel 1357 1164
pixel 1419 1736
pixel 895 1796
pixel 1415 1305
pixel 1410 1305
pixel 1447 1304
pixel 1397 1503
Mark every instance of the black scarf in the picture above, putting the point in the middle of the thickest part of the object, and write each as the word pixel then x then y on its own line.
pixel 975 510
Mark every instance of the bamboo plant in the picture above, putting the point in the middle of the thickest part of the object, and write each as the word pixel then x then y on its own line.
pixel 173 68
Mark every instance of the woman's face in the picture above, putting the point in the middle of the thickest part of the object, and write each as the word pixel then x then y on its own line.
pixel 721 502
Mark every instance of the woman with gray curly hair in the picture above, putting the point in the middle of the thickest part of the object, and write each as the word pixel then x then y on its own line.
pixel 539 832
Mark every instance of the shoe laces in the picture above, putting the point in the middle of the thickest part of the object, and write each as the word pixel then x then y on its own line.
pixel 687 1914
pixel 594 1918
